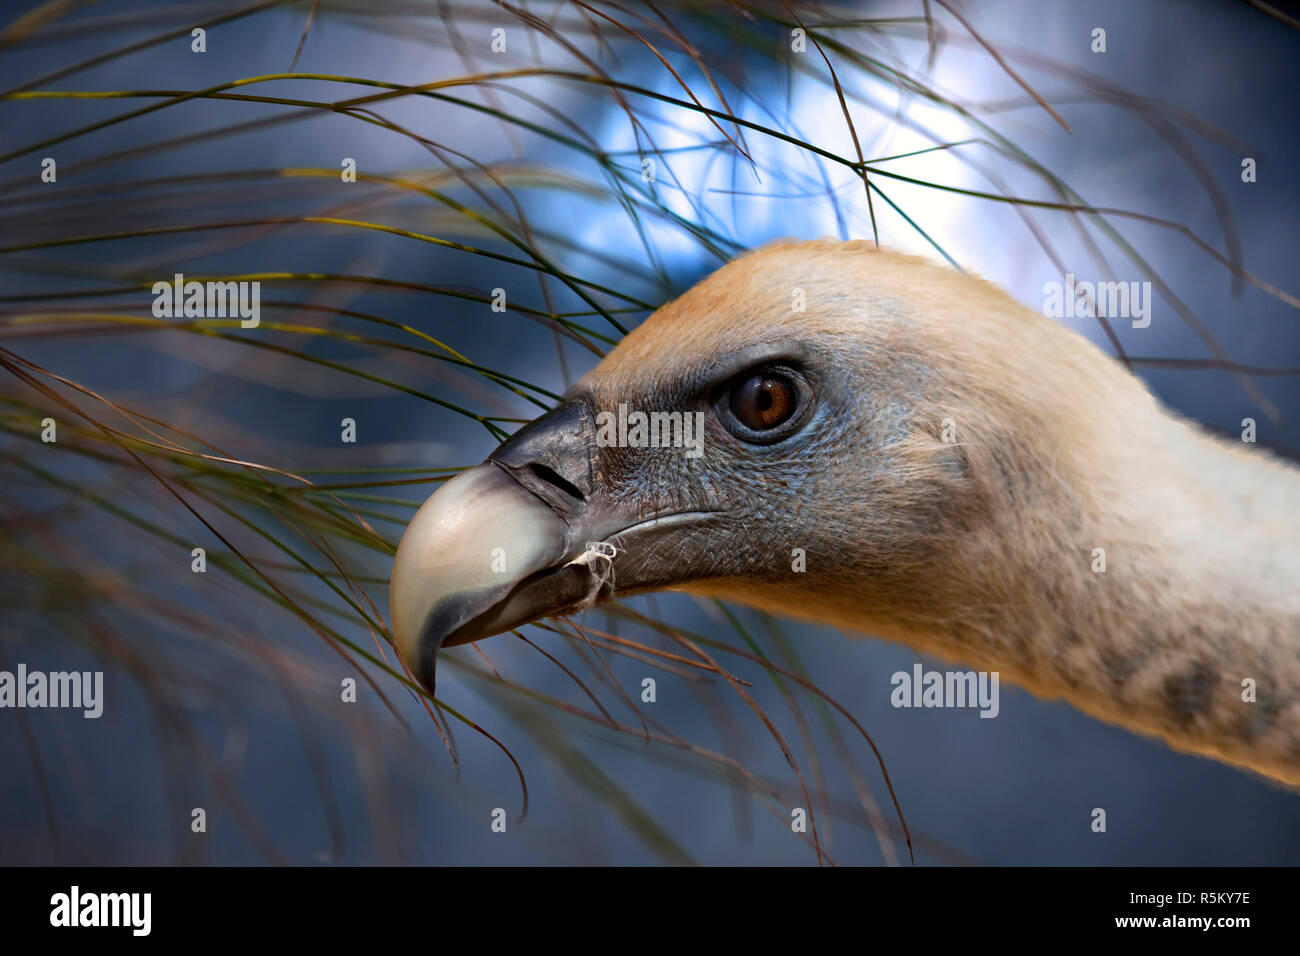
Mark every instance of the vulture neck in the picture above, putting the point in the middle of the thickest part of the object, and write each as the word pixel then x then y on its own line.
pixel 1191 633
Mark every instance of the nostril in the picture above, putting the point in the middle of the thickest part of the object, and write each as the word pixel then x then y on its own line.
pixel 552 477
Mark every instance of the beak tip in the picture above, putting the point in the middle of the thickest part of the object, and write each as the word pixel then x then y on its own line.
pixel 467 547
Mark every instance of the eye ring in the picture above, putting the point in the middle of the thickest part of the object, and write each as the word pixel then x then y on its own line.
pixel 764 404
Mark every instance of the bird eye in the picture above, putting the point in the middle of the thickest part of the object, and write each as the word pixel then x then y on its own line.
pixel 763 401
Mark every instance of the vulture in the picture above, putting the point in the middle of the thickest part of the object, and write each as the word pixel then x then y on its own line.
pixel 913 455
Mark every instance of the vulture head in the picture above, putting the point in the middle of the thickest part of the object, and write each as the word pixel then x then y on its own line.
pixel 857 437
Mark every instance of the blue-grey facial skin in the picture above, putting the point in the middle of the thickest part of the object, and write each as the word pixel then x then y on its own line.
pixel 804 490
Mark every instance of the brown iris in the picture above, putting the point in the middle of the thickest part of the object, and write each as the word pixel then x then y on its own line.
pixel 763 401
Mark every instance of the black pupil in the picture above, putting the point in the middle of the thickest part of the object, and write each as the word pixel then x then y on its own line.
pixel 763 401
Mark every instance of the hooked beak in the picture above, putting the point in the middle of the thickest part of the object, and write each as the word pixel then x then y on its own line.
pixel 507 542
